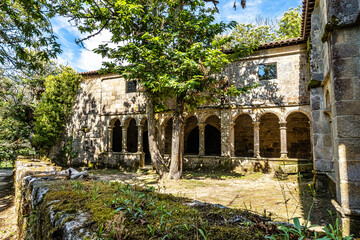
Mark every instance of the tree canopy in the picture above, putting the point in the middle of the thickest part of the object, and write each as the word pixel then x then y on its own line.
pixel 26 34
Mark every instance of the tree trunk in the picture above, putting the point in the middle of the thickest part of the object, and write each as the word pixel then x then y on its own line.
pixel 176 146
pixel 156 157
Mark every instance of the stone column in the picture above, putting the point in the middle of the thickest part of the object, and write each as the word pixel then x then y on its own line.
pixel 201 139
pixel 140 138
pixel 110 139
pixel 232 139
pixel 283 140
pixel 124 138
pixel 225 119
pixel 256 139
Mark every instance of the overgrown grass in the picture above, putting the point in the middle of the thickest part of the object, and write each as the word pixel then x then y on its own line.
pixel 122 211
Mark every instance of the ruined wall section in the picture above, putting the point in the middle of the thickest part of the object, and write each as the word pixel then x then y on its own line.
pixel 100 99
pixel 319 67
pixel 289 88
pixel 336 28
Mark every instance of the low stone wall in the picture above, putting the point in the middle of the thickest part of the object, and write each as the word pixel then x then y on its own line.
pixel 246 164
pixel 34 179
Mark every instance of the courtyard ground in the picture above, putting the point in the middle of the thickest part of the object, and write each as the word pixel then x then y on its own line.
pixel 257 192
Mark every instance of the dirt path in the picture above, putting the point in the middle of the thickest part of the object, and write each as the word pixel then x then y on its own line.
pixel 7 209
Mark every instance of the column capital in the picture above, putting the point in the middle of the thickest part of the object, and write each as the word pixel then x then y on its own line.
pixel 256 124
pixel 282 124
pixel 201 124
pixel 232 124
pixel 140 125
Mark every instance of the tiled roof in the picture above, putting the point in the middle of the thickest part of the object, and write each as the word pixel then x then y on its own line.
pixel 308 7
pixel 94 72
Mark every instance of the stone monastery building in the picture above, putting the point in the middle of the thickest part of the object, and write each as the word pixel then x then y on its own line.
pixel 304 116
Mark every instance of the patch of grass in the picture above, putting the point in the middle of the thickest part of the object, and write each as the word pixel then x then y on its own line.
pixel 123 211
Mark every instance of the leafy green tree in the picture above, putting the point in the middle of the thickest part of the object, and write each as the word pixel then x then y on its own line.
pixel 16 110
pixel 26 35
pixel 54 108
pixel 171 51
pixel 290 24
pixel 19 97
pixel 245 38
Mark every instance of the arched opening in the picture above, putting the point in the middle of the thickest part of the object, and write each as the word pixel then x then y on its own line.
pixel 117 137
pixel 168 136
pixel 146 144
pixel 212 136
pixel 298 136
pixel 244 136
pixel 269 136
pixel 132 136
pixel 191 136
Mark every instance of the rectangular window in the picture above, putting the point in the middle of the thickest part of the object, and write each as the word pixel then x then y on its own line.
pixel 267 71
pixel 130 86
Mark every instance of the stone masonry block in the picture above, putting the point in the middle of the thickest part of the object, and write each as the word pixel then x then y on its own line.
pixel 349 194
pixel 348 126
pixel 349 171
pixel 343 89
pixel 347 107
pixel 351 148
pixel 345 68
pixel 345 50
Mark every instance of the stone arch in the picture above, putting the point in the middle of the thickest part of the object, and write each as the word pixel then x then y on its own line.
pixel 116 135
pixel 191 136
pixel 296 111
pixel 168 135
pixel 143 121
pixel 277 114
pixel 243 136
pixel 252 116
pixel 112 122
pixel 269 135
pixel 204 118
pixel 132 136
pixel 126 120
pixel 298 135
pixel 212 136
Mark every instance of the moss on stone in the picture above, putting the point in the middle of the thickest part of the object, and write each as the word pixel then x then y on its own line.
pixel 137 213
pixel 329 28
pixel 313 84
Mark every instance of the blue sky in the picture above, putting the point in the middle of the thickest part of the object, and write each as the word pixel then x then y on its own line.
pixel 83 59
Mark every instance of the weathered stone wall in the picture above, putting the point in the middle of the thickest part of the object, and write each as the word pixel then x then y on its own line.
pixel 337 24
pixel 289 88
pixel 34 179
pixel 103 100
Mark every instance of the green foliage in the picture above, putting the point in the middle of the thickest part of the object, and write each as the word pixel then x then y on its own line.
pixel 26 34
pixel 290 24
pixel 55 107
pixel 16 108
pixel 169 45
pixel 245 38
